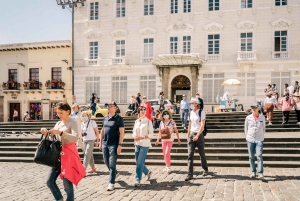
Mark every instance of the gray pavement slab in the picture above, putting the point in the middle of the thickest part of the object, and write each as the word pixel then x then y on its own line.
pixel 26 182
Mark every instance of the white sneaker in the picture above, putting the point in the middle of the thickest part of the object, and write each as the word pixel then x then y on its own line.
pixel 267 119
pixel 270 123
pixel 184 128
pixel 137 183
pixel 260 176
pixel 165 169
pixel 252 175
pixel 169 170
pixel 298 123
pixel 110 187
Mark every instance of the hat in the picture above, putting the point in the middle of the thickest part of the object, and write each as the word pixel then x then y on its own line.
pixel 296 82
pixel 259 101
pixel 296 94
pixel 112 103
pixel 183 95
pixel 144 97
pixel 195 100
pixel 254 106
pixel 197 93
pixel 168 111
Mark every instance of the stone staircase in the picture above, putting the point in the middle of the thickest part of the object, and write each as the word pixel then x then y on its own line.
pixel 223 150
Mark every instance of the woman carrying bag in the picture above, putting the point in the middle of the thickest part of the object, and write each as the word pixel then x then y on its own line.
pixel 142 134
pixel 71 171
pixel 166 128
pixel 90 134
pixel 286 104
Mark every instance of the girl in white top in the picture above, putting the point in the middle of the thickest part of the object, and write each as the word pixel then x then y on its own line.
pixel 269 104
pixel 142 135
pixel 167 143
pixel 90 134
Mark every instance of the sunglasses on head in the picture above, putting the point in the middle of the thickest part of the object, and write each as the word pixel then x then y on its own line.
pixel 110 106
pixel 142 108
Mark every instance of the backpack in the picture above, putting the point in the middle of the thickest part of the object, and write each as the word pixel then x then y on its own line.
pixel 204 132
pixel 165 132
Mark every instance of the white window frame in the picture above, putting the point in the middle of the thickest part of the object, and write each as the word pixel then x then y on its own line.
pixel 187 3
pixel 281 2
pixel 189 43
pixel 149 4
pixel 119 96
pixel 172 9
pixel 94 10
pixel 287 37
pixel 170 51
pixel 116 7
pixel 214 5
pixel 90 88
pixel 93 61
pixel 246 4
pixel 115 48
pixel 215 83
pixel 213 44
pixel 248 84
pixel 281 77
pixel 148 46
pixel 150 82
pixel 246 39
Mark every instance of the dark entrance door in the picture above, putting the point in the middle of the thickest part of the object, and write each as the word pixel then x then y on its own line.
pixel 180 85
pixel 13 106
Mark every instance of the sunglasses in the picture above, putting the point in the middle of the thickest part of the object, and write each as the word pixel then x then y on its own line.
pixel 109 106
pixel 142 108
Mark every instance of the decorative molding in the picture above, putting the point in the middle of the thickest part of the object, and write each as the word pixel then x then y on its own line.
pixel 180 26
pixel 113 21
pixel 141 19
pixel 119 33
pixel 289 9
pixel 168 17
pixel 246 24
pixel 239 12
pixel 92 35
pixel 87 23
pixel 154 18
pixel 191 15
pixel 220 13
pixel 273 9
pixel 105 2
pixel 147 31
pixel 206 14
pixel 213 27
pixel 281 23
pixel 253 11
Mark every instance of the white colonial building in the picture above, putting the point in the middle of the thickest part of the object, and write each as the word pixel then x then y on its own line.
pixel 185 46
pixel 34 77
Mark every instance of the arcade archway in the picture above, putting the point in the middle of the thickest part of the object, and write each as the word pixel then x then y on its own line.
pixel 180 85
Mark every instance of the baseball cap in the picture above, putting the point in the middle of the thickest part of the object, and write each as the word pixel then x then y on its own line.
pixel 197 93
pixel 111 103
pixel 183 95
pixel 254 106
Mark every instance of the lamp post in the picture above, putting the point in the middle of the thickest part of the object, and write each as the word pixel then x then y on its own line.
pixel 72 5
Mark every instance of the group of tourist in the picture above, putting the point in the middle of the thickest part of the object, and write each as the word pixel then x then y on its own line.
pixel 290 98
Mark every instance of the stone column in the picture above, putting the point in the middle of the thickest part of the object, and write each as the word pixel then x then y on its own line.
pixel 194 84
pixel 165 81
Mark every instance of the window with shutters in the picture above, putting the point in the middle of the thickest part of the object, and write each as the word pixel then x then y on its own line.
pixel 119 89
pixel 280 78
pixel 94 11
pixel 248 84
pixel 92 85
pixel 147 86
pixel 212 87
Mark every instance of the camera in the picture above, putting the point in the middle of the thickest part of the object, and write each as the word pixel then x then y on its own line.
pixel 84 134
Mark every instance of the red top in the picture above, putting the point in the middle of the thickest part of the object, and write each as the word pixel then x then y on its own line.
pixel 255 117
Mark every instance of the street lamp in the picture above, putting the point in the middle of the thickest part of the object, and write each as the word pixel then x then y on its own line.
pixel 72 4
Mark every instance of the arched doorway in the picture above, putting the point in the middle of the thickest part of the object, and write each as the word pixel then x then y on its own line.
pixel 180 85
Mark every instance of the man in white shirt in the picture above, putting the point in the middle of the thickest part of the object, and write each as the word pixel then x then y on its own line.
pixel 195 138
pixel 184 110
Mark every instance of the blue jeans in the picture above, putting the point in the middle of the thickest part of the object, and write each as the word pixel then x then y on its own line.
pixel 258 148
pixel 183 116
pixel 140 158
pixel 110 159
pixel 51 183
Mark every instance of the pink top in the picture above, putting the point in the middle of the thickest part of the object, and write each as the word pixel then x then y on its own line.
pixel 286 105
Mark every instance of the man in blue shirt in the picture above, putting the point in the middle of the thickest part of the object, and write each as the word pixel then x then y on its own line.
pixel 184 110
pixel 111 139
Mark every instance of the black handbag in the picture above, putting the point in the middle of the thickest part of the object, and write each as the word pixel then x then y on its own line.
pixel 48 151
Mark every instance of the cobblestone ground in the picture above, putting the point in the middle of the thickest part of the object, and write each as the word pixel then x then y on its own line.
pixel 24 181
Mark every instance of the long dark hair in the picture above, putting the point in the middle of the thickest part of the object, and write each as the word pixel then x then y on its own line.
pixel 287 96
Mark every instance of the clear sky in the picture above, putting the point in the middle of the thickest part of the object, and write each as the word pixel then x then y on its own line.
pixel 33 21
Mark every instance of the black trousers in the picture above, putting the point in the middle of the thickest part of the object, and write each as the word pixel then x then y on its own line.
pixel 200 144
pixel 285 117
pixel 298 115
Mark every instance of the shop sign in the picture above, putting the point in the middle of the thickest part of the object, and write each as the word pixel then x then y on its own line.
pixel 14 96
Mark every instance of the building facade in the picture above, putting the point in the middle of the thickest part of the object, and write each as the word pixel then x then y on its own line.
pixel 185 46
pixel 34 77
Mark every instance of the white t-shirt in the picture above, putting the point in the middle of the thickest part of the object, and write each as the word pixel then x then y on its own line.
pixel 195 120
pixel 132 100
pixel 89 129
pixel 171 126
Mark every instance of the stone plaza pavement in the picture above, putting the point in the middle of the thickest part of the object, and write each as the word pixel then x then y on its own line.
pixel 26 181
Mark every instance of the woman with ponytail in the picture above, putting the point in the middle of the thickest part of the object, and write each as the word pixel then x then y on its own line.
pixel 286 104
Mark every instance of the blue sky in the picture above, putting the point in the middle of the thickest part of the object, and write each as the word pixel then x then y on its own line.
pixel 33 21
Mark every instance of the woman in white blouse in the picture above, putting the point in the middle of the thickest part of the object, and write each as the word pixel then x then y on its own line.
pixel 142 135
pixel 269 104
pixel 90 135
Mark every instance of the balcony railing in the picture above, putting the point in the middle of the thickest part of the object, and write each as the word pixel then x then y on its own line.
pixel 11 85
pixel 246 55
pixel 118 60
pixel 32 85
pixel 54 85
pixel 147 60
pixel 92 62
pixel 280 55
pixel 213 57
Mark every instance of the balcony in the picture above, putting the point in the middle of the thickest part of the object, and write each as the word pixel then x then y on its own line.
pixel 146 60
pixel 280 55
pixel 55 86
pixel 246 55
pixel 11 86
pixel 91 62
pixel 32 86
pixel 118 60
pixel 213 57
